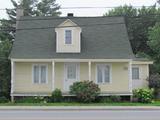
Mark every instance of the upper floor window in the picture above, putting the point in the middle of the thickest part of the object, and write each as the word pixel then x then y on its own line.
pixel 68 36
pixel 135 73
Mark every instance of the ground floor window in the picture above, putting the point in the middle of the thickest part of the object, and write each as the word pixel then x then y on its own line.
pixel 135 73
pixel 39 74
pixel 103 73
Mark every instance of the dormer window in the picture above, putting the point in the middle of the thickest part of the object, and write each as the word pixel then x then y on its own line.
pixel 68 37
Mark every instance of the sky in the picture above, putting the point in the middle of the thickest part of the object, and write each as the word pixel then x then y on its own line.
pixel 85 3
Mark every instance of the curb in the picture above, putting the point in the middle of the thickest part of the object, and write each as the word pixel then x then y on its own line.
pixel 79 108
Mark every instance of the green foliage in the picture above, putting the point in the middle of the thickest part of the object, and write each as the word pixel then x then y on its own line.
pixel 3 100
pixel 56 96
pixel 85 91
pixel 47 8
pixel 112 98
pixel 36 99
pixel 143 95
pixel 138 21
pixel 154 81
pixel 5 47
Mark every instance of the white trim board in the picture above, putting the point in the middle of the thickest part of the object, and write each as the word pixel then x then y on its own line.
pixel 71 60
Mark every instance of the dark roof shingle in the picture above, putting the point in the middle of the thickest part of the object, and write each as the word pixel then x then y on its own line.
pixel 101 38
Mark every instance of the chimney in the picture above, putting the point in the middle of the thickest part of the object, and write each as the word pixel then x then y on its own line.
pixel 70 15
pixel 19 13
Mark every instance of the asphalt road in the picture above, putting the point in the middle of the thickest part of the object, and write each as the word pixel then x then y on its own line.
pixel 80 115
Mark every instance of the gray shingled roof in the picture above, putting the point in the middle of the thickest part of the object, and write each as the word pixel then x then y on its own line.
pixel 100 38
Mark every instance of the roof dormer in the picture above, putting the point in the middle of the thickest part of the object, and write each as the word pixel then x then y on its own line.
pixel 68 37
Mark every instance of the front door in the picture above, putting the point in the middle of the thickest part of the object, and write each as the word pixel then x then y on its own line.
pixel 71 72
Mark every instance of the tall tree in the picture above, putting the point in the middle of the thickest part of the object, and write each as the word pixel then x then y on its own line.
pixel 47 8
pixel 154 43
pixel 138 21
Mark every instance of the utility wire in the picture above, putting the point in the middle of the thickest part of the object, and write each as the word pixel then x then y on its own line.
pixel 53 18
pixel 87 7
pixel 89 25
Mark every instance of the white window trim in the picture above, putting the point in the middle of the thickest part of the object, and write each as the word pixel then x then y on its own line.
pixel 39 74
pixel 110 81
pixel 65 36
pixel 135 66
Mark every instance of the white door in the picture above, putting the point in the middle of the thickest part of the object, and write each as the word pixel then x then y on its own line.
pixel 71 73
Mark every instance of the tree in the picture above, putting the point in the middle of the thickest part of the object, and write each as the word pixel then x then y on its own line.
pixel 154 43
pixel 47 8
pixel 138 21
pixel 5 47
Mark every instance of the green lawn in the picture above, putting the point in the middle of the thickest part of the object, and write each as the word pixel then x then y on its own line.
pixel 156 103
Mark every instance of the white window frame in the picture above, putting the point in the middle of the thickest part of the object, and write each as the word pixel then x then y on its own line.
pixel 39 82
pixel 65 36
pixel 138 71
pixel 110 74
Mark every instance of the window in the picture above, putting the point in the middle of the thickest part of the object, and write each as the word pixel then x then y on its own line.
pixel 72 71
pixel 103 73
pixel 68 37
pixel 39 74
pixel 135 73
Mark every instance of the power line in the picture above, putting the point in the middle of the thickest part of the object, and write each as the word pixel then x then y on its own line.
pixel 89 25
pixel 53 18
pixel 103 7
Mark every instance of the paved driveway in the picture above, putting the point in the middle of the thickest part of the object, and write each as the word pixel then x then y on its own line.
pixel 79 114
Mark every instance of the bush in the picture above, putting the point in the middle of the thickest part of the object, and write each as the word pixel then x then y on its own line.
pixel 85 91
pixel 143 95
pixel 3 100
pixel 35 99
pixel 113 98
pixel 56 96
pixel 154 81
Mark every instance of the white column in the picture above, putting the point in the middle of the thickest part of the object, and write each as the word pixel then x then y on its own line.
pixel 89 70
pixel 53 75
pixel 130 76
pixel 12 79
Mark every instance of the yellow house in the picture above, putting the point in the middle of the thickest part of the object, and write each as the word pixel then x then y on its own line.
pixel 51 53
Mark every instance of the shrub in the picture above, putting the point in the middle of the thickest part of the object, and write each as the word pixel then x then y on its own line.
pixel 143 95
pixel 35 99
pixel 85 91
pixel 56 96
pixel 113 98
pixel 3 100
pixel 154 81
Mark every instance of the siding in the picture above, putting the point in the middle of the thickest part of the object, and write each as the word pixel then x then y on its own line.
pixel 23 78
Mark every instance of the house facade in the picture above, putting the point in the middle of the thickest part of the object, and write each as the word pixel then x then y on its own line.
pixel 50 53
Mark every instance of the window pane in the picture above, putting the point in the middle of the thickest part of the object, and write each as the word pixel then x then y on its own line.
pixel 106 74
pixel 71 71
pixel 36 74
pixel 99 74
pixel 68 37
pixel 135 73
pixel 43 74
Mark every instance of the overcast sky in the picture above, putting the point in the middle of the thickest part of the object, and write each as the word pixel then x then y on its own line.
pixel 85 3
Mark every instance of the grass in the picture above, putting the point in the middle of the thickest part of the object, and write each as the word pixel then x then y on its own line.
pixel 156 103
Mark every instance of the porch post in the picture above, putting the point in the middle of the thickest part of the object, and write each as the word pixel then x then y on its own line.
pixel 89 70
pixel 130 76
pixel 12 79
pixel 53 75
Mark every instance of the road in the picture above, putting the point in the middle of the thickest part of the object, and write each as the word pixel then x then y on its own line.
pixel 80 115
